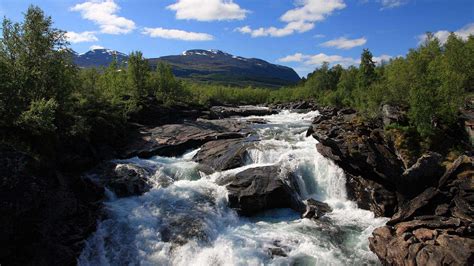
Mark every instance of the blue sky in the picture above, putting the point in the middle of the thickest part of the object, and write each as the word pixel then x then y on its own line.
pixel 297 33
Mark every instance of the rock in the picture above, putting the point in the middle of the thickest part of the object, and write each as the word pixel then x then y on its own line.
pixel 433 227
pixel 124 179
pixel 175 139
pixel 219 112
pixel 45 216
pixel 261 188
pixel 371 195
pixel 371 166
pixel 393 115
pixel 424 173
pixel 315 209
pixel 222 155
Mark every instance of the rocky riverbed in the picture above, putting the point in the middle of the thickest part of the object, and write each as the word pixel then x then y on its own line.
pixel 245 186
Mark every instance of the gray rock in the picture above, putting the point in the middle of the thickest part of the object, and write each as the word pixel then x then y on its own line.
pixel 176 139
pixel 261 188
pixel 222 155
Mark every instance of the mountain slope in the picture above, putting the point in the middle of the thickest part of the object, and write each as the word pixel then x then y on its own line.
pixel 98 58
pixel 214 66
pixel 207 66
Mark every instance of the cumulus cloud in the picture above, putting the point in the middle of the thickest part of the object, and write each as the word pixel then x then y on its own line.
pixel 443 35
pixel 318 59
pixel 177 34
pixel 95 47
pixel 77 37
pixel 104 14
pixel 208 10
pixel 298 20
pixel 344 43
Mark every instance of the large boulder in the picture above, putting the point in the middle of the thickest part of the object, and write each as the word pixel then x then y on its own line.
pixel 45 216
pixel 175 139
pixel 261 188
pixel 223 154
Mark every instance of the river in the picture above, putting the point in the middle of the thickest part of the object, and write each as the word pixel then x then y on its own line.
pixel 184 219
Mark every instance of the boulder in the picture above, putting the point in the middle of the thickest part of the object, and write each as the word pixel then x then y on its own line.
pixel 223 154
pixel 315 209
pixel 176 139
pixel 261 188
pixel 124 179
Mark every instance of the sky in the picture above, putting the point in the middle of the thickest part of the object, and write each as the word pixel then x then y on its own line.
pixel 298 33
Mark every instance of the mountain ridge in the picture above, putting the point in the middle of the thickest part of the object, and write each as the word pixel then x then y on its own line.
pixel 205 66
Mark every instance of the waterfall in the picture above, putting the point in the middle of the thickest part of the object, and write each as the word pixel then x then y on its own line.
pixel 187 222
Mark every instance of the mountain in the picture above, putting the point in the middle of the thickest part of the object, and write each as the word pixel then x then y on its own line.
pixel 207 66
pixel 214 66
pixel 98 58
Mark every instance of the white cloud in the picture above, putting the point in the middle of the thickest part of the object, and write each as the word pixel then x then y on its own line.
pixel 103 13
pixel 208 10
pixel 319 59
pixel 300 19
pixel 381 58
pixel 298 57
pixel 443 35
pixel 177 34
pixel 77 37
pixel 387 4
pixel 344 43
pixel 94 47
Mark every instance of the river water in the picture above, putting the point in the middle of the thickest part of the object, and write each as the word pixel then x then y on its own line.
pixel 184 218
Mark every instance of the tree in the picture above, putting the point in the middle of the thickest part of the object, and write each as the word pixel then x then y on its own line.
pixel 39 71
pixel 138 72
pixel 366 70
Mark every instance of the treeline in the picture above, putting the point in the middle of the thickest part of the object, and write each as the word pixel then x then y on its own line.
pixel 431 82
pixel 45 98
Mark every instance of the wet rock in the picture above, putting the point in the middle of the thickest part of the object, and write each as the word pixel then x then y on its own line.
pixel 45 216
pixel 222 155
pixel 277 252
pixel 175 139
pixel 257 121
pixel 219 112
pixel 261 188
pixel 315 209
pixel 124 179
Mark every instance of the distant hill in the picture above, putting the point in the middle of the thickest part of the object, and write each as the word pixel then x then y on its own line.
pixel 207 66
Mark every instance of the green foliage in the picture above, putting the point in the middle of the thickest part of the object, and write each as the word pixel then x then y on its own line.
pixel 167 88
pixel 39 117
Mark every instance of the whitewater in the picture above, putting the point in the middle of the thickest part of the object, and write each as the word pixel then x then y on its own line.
pixel 185 219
